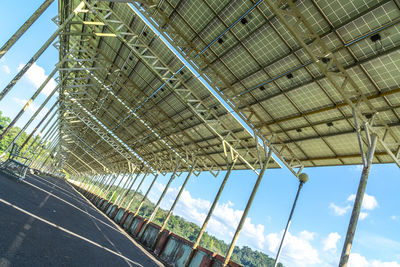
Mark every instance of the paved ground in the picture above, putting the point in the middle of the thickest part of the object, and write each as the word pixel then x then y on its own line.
pixel 44 222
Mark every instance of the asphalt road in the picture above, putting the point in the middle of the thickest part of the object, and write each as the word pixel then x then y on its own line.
pixel 45 222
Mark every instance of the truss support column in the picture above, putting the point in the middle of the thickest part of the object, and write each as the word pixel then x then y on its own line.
pixel 246 210
pixel 25 107
pixel 38 125
pixel 145 196
pixel 95 183
pixel 358 202
pixel 174 204
pixel 50 152
pixel 28 150
pixel 124 193
pixel 116 189
pixel 35 57
pixel 106 184
pixel 112 181
pixel 210 212
pixel 4 49
pixel 302 179
pixel 153 214
pixel 102 184
pixel 38 155
pixel 34 155
pixel 133 182
pixel 121 192
pixel 137 189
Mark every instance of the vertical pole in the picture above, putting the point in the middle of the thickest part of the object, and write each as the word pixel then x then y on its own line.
pixel 95 182
pixel 112 181
pixel 40 145
pixel 38 125
pixel 145 196
pixel 123 191
pixel 133 182
pixel 112 195
pixel 357 204
pixel 153 214
pixel 25 107
pixel 246 210
pixel 38 135
pixel 302 178
pixel 37 54
pixel 101 184
pixel 106 185
pixel 134 194
pixel 174 204
pixel 210 212
pixel 24 27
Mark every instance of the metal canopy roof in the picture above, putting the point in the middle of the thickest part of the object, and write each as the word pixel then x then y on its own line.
pixel 123 82
pixel 264 72
pixel 127 97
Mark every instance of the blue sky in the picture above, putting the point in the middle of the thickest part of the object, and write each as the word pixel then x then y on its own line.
pixel 320 220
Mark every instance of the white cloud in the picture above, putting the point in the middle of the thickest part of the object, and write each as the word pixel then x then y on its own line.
pixel 330 243
pixel 356 260
pixel 306 235
pixel 394 217
pixel 363 215
pixel 223 223
pixel 32 107
pixel 6 69
pixel 36 75
pixel 296 251
pixel 369 202
pixel 339 210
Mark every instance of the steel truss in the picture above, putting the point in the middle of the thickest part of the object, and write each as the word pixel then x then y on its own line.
pixel 118 29
pixel 171 32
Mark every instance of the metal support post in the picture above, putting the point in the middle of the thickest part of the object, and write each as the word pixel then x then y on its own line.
pixel 28 150
pixel 210 212
pixel 137 189
pixel 4 49
pixel 134 181
pixel 302 179
pixel 246 210
pixel 35 157
pixel 96 180
pixel 35 57
pixel 106 184
pixel 100 184
pixel 51 151
pixel 38 125
pixel 123 189
pixel 112 195
pixel 40 155
pixel 153 214
pixel 112 181
pixel 358 202
pixel 145 196
pixel 174 204
pixel 25 107
pixel 42 143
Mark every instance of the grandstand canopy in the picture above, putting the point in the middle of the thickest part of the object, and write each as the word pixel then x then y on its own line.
pixel 123 82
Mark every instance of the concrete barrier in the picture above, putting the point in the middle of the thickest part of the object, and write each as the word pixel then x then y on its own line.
pixel 128 222
pixel 150 234
pixel 170 248
pixel 176 251
pixel 136 226
pixel 104 206
pixel 119 215
pixel 124 217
